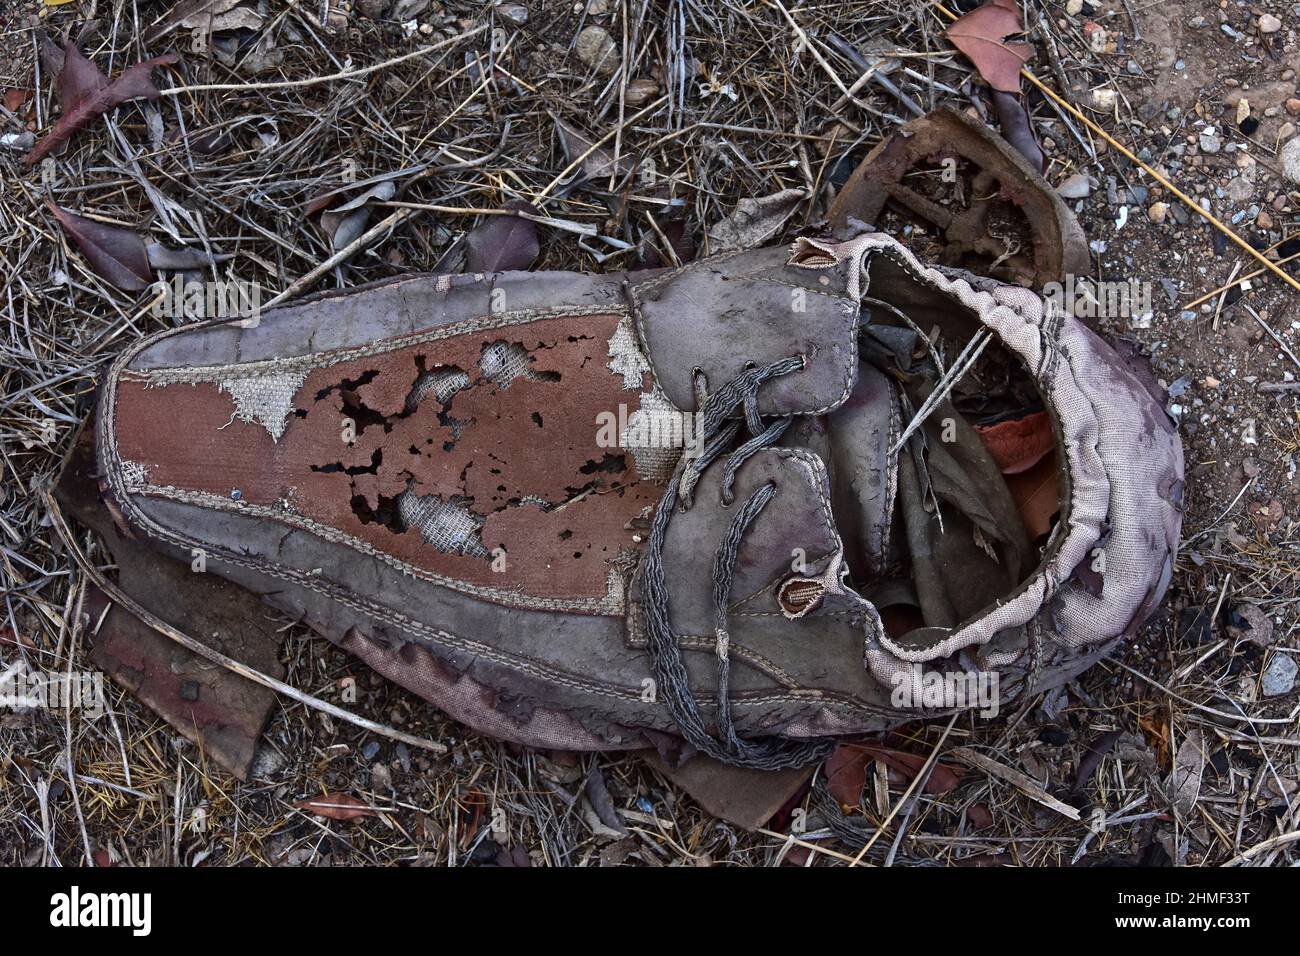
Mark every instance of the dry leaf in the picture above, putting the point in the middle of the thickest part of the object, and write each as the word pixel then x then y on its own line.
pixel 86 93
pixel 846 774
pixel 599 163
pixel 337 806
pixel 1018 444
pixel 1185 778
pixel 15 98
pixel 754 221
pixel 846 771
pixel 979 816
pixel 1017 129
pixel 503 243
pixel 1037 496
pixel 118 255
pixel 981 35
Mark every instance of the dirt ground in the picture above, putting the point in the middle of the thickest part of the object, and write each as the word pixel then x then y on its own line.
pixel 758 114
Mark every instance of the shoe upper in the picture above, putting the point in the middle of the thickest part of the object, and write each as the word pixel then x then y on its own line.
pixel 587 512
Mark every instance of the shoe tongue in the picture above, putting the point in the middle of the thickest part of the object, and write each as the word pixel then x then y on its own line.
pixel 863 478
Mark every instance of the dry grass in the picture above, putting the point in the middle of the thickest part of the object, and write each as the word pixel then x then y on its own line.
pixel 741 108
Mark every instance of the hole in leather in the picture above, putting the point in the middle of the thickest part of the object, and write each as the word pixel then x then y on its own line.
pixel 798 596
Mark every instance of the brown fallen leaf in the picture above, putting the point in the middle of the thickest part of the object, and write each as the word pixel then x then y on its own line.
pixel 15 98
pixel 846 774
pixel 599 162
pixel 503 243
pixel 1017 130
pixel 981 36
pixel 86 93
pixel 1037 496
pixel 846 771
pixel 1018 444
pixel 979 816
pixel 337 806
pixel 118 255
pixel 943 777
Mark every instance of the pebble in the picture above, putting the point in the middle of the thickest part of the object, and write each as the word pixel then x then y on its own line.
pixel 1157 212
pixel 1075 187
pixel 1240 189
pixel 1279 675
pixel 1073 7
pixel 1293 106
pixel 515 13
pixel 1210 142
pixel 596 48
pixel 1269 23
pixel 1171 290
pixel 1103 99
pixel 1289 159
pixel 640 91
pixel 1264 220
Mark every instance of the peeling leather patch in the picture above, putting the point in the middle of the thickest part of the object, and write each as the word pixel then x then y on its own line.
pixel 513 442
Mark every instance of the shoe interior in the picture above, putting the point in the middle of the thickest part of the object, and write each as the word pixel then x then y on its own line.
pixel 967 504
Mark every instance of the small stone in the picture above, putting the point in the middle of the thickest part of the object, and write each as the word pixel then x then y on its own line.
pixel 1240 189
pixel 1264 220
pixel 1073 7
pixel 1096 36
pixel 1157 212
pixel 1074 187
pixel 1289 159
pixel 1279 675
pixel 598 8
pixel 515 13
pixel 596 48
pixel 1254 625
pixel 640 91
pixel 1243 110
pixel 1210 142
pixel 1269 23
pixel 1293 106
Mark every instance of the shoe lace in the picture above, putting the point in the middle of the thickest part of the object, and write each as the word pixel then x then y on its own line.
pixel 719 431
